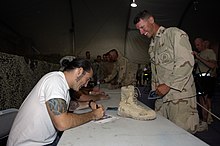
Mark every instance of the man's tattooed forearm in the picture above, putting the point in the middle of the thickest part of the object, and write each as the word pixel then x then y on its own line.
pixel 57 106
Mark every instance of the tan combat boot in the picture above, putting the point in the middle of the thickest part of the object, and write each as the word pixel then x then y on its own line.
pixel 128 106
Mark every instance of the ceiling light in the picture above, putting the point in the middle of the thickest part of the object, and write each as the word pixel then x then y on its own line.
pixel 133 4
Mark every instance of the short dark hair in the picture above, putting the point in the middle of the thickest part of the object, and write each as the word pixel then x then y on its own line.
pixel 77 63
pixel 113 50
pixel 141 15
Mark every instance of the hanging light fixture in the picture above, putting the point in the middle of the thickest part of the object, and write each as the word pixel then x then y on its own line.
pixel 133 4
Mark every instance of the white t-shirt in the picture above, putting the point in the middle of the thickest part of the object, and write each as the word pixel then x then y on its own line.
pixel 32 125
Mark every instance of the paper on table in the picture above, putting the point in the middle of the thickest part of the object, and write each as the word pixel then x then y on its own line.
pixel 105 119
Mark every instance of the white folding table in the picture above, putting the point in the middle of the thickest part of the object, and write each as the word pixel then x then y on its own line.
pixel 127 131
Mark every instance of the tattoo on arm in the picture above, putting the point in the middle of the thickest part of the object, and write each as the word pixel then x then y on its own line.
pixel 57 106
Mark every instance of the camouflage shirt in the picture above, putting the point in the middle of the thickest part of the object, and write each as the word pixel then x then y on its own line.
pixel 119 70
pixel 172 63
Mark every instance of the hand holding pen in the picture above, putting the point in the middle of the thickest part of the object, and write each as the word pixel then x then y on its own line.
pixel 97 109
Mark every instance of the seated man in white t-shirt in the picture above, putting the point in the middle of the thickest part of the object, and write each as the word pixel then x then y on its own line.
pixel 45 110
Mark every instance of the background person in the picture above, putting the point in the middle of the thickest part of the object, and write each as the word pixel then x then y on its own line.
pixel 88 55
pixel 206 72
pixel 121 74
pixel 107 66
pixel 139 74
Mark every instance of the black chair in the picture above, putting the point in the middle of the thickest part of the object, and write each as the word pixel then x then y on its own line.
pixel 6 120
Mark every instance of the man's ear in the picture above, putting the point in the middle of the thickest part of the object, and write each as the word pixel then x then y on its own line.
pixel 151 19
pixel 79 71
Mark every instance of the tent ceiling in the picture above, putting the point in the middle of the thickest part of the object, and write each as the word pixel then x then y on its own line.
pixel 74 26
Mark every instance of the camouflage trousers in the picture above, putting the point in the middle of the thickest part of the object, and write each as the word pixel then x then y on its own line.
pixel 182 112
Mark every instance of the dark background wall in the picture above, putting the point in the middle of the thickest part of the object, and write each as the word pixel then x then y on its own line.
pixel 54 28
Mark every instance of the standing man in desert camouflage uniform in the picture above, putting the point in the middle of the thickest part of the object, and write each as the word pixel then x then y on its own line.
pixel 171 65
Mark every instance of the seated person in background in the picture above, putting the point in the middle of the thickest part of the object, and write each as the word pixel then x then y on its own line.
pixel 88 55
pixel 121 74
pixel 95 92
pixel 85 94
pixel 44 112
pixel 98 69
pixel 139 75
pixel 104 57
pixel 107 65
